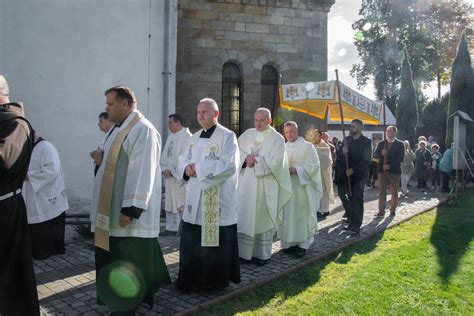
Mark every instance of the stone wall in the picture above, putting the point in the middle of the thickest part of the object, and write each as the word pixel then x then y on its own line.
pixel 290 35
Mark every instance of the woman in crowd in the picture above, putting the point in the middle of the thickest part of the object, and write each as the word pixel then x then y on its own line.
pixel 423 164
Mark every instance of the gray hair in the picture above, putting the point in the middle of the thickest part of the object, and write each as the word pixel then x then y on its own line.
pixel 211 102
pixel 4 89
pixel 291 123
pixel 267 112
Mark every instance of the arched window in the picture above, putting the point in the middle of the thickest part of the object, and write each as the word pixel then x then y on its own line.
pixel 269 86
pixel 231 97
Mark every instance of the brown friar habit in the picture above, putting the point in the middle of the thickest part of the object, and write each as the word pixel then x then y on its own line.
pixel 18 294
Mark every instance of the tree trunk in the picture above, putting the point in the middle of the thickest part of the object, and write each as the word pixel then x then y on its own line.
pixel 438 79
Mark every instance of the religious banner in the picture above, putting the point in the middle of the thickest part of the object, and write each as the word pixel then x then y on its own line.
pixel 315 98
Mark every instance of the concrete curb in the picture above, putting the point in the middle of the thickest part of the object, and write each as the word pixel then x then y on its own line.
pixel 298 266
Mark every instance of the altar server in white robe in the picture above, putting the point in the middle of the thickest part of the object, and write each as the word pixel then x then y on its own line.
pixel 264 187
pixel 299 220
pixel 208 252
pixel 314 136
pixel 175 192
pixel 46 200
pixel 126 208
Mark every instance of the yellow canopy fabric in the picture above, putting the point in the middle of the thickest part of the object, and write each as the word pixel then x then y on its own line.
pixel 312 98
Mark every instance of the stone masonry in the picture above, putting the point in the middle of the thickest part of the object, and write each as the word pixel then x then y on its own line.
pixel 289 35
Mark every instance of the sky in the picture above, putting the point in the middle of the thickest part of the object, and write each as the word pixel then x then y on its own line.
pixel 342 52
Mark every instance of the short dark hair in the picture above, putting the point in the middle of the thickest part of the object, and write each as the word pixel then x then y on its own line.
pixel 123 93
pixel 104 115
pixel 177 118
pixel 358 122
pixel 395 129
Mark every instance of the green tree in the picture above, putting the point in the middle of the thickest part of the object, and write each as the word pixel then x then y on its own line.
pixel 449 19
pixel 406 111
pixel 461 86
pixel 426 29
pixel 433 119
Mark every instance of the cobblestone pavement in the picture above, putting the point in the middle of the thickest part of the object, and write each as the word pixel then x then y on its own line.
pixel 66 283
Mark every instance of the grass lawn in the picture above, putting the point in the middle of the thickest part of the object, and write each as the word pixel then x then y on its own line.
pixel 423 266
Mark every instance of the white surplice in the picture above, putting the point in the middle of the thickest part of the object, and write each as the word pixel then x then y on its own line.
pixel 219 171
pixel 44 192
pixel 137 180
pixel 299 220
pixel 175 192
pixel 325 159
pixel 264 189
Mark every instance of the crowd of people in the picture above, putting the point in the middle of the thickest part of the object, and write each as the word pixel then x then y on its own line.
pixel 226 197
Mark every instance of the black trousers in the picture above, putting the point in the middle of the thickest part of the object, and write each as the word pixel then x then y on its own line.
pixel 445 181
pixel 344 197
pixel 356 203
pixel 436 178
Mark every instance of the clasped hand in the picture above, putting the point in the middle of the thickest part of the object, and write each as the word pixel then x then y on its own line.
pixel 190 170
pixel 250 161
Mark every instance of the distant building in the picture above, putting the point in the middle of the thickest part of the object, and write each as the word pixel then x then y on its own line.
pixel 236 51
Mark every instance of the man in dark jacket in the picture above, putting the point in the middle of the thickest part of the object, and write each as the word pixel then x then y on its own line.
pixel 390 154
pixel 359 149
pixel 18 294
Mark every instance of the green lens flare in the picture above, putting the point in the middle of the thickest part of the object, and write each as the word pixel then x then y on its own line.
pixel 124 283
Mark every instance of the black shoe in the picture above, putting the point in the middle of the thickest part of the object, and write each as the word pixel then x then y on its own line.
pixel 290 250
pixel 148 300
pixel 300 252
pixel 322 215
pixel 354 232
pixel 347 227
pixel 345 215
pixel 260 262
pixel 380 214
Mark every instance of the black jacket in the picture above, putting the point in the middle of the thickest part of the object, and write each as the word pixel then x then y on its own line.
pixel 395 156
pixel 360 156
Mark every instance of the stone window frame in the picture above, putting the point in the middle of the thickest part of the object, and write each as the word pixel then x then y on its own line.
pixel 269 67
pixel 234 81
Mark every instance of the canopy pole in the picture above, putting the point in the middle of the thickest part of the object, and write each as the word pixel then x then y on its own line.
pixel 325 120
pixel 277 100
pixel 343 127
pixel 385 145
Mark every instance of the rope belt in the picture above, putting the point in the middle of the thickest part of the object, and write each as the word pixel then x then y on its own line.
pixel 9 195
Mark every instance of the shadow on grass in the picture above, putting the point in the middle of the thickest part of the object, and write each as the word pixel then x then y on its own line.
pixel 297 282
pixel 452 232
pixel 368 245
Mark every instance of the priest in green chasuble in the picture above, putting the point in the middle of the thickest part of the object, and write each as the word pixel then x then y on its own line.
pixel 126 206
pixel 264 187
pixel 299 220
pixel 208 251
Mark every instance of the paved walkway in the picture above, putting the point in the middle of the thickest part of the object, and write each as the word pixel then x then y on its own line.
pixel 66 283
